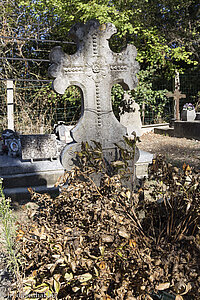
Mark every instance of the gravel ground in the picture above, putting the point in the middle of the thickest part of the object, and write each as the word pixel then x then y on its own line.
pixel 176 150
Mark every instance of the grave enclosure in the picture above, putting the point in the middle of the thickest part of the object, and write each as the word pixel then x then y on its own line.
pixel 94 68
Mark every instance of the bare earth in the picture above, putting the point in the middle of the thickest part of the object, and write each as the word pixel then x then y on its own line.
pixel 176 150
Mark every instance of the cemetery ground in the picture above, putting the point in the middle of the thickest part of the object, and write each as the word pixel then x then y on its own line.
pixel 105 243
pixel 177 151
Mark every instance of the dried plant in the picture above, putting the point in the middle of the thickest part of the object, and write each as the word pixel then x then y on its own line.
pixel 93 242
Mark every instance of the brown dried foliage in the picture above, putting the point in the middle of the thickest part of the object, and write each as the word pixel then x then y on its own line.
pixel 94 243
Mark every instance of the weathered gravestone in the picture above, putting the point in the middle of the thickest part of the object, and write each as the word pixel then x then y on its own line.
pixel 95 69
pixel 29 161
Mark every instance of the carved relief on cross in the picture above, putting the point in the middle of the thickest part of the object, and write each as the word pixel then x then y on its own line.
pixel 177 96
pixel 95 69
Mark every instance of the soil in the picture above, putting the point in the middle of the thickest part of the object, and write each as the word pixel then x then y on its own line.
pixel 177 151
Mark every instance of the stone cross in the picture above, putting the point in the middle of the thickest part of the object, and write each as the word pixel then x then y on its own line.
pixel 94 68
pixel 177 96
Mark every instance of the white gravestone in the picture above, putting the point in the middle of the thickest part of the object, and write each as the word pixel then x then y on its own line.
pixel 131 118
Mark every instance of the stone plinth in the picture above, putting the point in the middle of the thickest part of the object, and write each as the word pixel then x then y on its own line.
pixel 18 176
pixel 187 129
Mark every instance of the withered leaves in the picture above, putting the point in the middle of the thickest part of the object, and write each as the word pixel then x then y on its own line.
pixel 94 243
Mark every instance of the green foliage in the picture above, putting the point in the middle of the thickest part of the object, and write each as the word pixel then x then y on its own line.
pixel 144 93
pixel 165 33
pixel 159 30
pixel 72 95
pixel 9 230
pixel 117 96
pixel 155 100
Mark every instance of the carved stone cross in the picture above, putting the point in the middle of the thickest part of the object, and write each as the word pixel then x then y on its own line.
pixel 94 68
pixel 177 96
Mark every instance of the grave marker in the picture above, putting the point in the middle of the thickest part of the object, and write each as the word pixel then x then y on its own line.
pixel 177 96
pixel 131 118
pixel 95 69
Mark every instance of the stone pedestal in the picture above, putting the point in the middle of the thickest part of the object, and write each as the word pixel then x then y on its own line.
pixel 187 129
pixel 18 176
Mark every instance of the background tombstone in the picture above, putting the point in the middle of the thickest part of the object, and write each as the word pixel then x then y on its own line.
pixel 177 96
pixel 95 69
pixel 63 132
pixel 130 117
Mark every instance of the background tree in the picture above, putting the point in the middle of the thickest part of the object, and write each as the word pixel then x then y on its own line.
pixel 165 33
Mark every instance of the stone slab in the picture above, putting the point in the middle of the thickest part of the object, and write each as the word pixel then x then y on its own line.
pixel 48 178
pixel 22 194
pixel 197 116
pixel 38 146
pixel 151 127
pixel 18 176
pixel 168 131
pixel 10 166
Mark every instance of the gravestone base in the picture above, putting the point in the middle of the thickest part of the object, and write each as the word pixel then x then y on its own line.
pixel 18 176
pixel 143 163
pixel 110 154
pixel 41 176
pixel 187 129
pixel 22 194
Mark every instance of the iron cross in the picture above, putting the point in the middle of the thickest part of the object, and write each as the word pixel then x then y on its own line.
pixel 177 96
